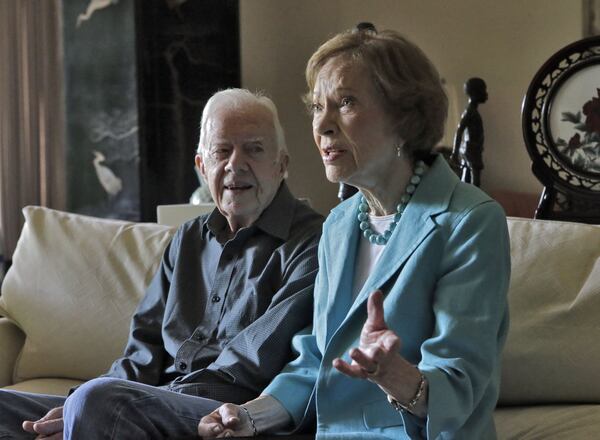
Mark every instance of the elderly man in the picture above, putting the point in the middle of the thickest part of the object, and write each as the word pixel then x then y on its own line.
pixel 216 321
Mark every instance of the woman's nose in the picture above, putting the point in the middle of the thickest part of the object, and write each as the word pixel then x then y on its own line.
pixel 324 123
pixel 237 161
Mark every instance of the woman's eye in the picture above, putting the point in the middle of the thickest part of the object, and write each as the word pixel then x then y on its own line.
pixel 347 101
pixel 315 107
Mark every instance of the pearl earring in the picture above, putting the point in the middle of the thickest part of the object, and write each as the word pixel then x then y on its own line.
pixel 399 150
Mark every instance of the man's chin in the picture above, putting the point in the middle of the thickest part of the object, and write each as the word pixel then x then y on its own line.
pixel 239 199
pixel 240 207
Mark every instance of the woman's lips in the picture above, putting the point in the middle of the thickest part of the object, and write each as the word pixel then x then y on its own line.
pixel 332 154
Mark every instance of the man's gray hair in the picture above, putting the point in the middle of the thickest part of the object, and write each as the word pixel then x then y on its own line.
pixel 235 98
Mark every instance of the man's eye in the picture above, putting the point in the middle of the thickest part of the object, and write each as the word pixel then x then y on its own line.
pixel 220 152
pixel 255 149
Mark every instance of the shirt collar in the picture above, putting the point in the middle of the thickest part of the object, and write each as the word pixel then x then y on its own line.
pixel 275 220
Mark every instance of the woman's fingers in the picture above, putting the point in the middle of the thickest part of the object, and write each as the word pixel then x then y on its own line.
pixel 378 344
pixel 375 318
pixel 371 360
pixel 390 342
pixel 349 370
pixel 368 362
pixel 362 366
pixel 386 343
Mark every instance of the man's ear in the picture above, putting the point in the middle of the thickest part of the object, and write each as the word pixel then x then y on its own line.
pixel 285 160
pixel 199 161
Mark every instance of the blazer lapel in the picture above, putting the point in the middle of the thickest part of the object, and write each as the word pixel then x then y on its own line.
pixel 418 221
pixel 343 239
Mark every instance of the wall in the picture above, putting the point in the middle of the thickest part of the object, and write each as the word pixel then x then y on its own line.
pixel 277 38
pixel 503 42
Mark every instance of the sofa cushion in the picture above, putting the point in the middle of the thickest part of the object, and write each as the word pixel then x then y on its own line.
pixel 11 342
pixel 52 386
pixel 550 354
pixel 548 422
pixel 72 288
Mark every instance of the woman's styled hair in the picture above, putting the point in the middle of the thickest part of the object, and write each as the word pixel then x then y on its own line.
pixel 409 84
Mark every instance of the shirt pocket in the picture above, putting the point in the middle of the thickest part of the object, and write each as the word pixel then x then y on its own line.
pixel 381 414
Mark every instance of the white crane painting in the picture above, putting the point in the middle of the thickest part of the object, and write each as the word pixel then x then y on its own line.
pixel 93 6
pixel 109 181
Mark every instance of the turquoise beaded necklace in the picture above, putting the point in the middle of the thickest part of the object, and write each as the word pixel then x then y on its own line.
pixel 363 209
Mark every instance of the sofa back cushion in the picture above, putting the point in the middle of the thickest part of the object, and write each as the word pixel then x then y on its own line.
pixel 551 354
pixel 72 288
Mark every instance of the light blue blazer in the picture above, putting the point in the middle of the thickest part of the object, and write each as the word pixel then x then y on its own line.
pixel 444 273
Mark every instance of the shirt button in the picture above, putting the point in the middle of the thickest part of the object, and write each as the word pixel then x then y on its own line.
pixel 182 366
pixel 216 299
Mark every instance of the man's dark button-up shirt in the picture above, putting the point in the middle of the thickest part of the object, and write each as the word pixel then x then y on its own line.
pixel 218 318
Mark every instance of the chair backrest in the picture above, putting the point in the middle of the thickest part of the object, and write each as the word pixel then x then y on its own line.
pixel 562 132
pixel 175 215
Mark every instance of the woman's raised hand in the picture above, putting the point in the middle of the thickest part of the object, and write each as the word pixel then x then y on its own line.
pixel 378 347
pixel 228 420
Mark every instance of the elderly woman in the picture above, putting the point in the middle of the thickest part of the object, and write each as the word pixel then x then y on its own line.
pixel 410 311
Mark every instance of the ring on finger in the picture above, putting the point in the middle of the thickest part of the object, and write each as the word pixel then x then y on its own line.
pixel 373 372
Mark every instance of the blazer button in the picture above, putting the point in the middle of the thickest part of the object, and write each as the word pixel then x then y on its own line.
pixel 182 366
pixel 216 299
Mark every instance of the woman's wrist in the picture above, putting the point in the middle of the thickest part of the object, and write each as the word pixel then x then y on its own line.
pixel 406 386
pixel 411 405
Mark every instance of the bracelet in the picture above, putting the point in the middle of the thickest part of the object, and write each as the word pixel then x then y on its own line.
pixel 413 402
pixel 254 430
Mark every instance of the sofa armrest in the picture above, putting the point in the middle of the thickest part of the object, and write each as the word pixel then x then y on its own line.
pixel 11 342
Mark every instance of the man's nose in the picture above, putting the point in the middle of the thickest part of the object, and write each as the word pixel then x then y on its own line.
pixel 237 161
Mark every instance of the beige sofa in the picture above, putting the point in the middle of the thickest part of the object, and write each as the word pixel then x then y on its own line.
pixel 75 281
pixel 68 298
